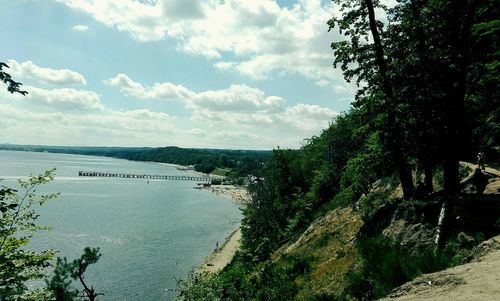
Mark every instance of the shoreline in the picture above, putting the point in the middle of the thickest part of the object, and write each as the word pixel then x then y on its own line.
pixel 237 194
pixel 223 255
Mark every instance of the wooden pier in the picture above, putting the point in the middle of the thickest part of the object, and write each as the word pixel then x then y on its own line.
pixel 141 176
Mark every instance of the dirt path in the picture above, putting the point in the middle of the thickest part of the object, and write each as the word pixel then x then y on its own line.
pixel 487 169
pixel 217 261
pixel 478 280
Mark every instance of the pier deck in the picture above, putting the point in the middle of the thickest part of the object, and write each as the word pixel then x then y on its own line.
pixel 141 176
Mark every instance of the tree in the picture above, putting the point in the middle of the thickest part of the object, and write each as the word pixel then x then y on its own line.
pixel 17 225
pixel 364 58
pixel 60 283
pixel 429 71
pixel 12 85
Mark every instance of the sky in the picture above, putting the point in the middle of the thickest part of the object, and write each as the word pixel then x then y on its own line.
pixel 238 74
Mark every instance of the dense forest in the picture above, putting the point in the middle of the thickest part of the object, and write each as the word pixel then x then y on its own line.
pixel 317 227
pixel 240 162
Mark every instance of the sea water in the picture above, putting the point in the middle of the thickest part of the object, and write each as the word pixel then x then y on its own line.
pixel 149 232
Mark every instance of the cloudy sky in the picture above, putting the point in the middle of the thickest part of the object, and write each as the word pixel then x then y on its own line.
pixel 245 74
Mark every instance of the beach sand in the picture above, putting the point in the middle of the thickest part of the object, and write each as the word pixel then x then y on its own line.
pixel 218 260
pixel 236 193
pixel 223 256
pixel 225 253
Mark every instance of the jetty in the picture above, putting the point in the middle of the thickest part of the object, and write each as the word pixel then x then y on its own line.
pixel 141 176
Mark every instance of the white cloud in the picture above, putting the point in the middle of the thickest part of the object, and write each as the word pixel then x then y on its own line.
pixel 197 132
pixel 236 98
pixel 29 70
pixel 80 28
pixel 309 118
pixel 238 106
pixel 127 128
pixel 263 38
pixel 64 99
pixel 322 83
pixel 142 21
pixel 164 91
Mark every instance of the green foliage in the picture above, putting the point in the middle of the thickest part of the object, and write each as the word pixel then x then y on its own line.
pixel 12 85
pixel 428 77
pixel 60 283
pixel 17 225
pixel 232 283
pixel 198 287
pixel 386 265
pixel 242 163
pixel 64 271
pixel 277 283
pixel 216 182
pixel 236 282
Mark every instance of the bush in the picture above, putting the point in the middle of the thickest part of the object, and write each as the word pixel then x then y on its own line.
pixel 386 265
pixel 17 225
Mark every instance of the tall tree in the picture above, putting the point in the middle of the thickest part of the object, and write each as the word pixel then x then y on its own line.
pixel 364 58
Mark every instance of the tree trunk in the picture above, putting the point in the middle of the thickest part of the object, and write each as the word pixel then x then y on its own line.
pixel 395 140
pixel 456 101
pixel 405 177
pixel 429 188
pixel 451 176
pixel 439 228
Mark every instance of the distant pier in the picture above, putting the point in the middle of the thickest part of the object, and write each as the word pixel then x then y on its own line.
pixel 140 176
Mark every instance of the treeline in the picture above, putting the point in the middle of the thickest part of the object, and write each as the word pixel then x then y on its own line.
pixel 428 97
pixel 117 152
pixel 240 162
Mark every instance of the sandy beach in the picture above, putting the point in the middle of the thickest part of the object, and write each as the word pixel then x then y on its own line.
pixel 225 252
pixel 236 193
pixel 218 260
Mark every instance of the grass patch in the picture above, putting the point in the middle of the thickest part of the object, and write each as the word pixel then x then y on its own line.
pixel 223 172
pixel 386 265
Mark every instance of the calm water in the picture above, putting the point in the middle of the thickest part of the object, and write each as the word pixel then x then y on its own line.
pixel 148 233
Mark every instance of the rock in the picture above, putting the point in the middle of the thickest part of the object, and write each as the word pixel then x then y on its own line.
pixel 465 240
pixel 485 248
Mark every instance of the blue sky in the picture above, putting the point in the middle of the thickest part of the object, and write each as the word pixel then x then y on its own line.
pixel 220 74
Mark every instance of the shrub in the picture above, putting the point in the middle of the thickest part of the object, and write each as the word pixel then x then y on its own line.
pixel 386 265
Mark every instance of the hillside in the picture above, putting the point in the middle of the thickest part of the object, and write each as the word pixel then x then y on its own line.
pixel 365 250
pixel 330 245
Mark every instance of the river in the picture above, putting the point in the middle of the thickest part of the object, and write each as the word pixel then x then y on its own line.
pixel 148 233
